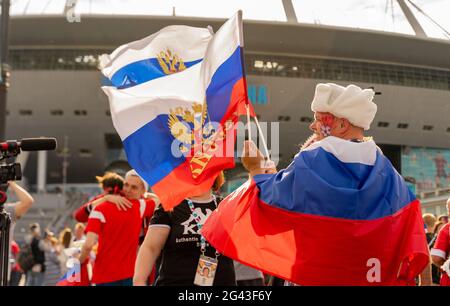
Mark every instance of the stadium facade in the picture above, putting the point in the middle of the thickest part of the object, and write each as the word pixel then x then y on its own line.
pixel 55 89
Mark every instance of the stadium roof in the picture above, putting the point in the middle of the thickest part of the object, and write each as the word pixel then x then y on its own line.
pixel 381 15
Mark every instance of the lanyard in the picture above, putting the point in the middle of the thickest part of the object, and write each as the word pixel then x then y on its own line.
pixel 200 225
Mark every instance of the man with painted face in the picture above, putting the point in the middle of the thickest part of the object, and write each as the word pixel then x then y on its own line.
pixel 340 112
pixel 338 210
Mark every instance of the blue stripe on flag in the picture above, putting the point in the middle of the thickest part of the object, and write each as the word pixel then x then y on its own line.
pixel 324 186
pixel 140 72
pixel 219 90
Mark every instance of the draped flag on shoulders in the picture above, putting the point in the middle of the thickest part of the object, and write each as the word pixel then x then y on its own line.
pixel 340 214
pixel 174 97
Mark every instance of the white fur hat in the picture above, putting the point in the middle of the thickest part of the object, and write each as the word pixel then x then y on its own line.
pixel 133 172
pixel 351 102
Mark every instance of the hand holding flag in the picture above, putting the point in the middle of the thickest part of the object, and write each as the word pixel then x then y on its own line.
pixel 253 160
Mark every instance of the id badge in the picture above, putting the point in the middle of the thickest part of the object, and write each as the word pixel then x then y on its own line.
pixel 206 271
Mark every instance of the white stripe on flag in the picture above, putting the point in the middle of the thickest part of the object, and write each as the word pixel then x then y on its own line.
pixel 187 42
pixel 134 107
pixel 365 153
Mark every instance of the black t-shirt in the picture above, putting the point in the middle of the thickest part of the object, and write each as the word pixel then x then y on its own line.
pixel 180 255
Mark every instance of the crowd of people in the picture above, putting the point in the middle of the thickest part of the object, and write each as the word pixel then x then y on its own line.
pixel 124 236
pixel 42 259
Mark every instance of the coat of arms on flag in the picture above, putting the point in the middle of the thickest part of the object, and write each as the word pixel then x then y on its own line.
pixel 170 62
pixel 195 136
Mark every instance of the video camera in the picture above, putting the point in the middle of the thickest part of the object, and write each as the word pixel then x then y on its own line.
pixel 12 148
pixel 13 172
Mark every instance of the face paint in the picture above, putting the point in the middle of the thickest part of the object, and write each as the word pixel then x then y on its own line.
pixel 326 123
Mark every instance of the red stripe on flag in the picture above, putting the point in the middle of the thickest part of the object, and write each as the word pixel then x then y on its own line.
pixel 179 185
pixel 238 100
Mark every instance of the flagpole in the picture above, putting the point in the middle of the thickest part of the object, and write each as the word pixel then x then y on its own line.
pixel 247 102
pixel 249 128
pixel 244 76
pixel 262 138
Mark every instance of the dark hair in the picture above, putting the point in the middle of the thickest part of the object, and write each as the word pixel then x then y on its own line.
pixel 442 217
pixel 111 181
pixel 66 237
pixel 218 182
pixel 34 226
pixel 436 227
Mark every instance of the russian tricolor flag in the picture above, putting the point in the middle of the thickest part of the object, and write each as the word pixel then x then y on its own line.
pixel 170 92
pixel 338 215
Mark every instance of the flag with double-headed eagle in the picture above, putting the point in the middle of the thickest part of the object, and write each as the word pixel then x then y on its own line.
pixel 174 98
